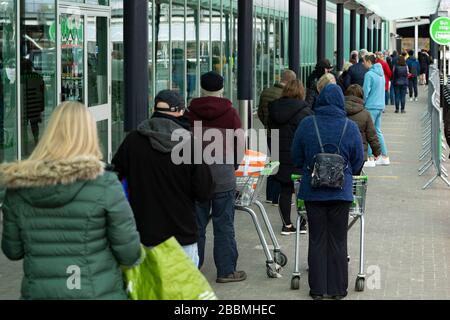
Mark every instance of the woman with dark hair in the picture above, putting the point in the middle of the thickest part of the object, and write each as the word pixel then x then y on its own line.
pixel 328 208
pixel 285 114
pixel 400 80
pixel 322 67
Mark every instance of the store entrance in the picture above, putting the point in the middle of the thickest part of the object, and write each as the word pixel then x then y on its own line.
pixel 84 64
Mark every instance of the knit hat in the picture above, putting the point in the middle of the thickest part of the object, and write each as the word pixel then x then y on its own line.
pixel 212 84
pixel 172 98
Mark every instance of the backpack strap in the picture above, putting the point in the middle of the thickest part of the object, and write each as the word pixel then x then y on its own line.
pixel 318 134
pixel 343 133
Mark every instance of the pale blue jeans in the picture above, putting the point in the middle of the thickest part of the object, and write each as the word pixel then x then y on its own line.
pixel 191 251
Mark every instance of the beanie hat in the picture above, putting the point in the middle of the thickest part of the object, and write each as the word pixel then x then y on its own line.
pixel 212 82
pixel 172 98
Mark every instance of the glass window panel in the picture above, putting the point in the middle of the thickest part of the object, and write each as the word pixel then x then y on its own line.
pixel 177 26
pixel 97 57
pixel 38 67
pixel 191 47
pixel 205 50
pixel 8 81
pixel 117 74
pixel 72 57
pixel 102 130
pixel 162 23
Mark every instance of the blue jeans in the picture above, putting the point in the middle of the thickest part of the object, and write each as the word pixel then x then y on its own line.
pixel 376 117
pixel 225 248
pixel 386 97
pixel 400 97
pixel 413 87
pixel 191 251
pixel 392 94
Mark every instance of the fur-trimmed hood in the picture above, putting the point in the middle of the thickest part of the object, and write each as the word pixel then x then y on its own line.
pixel 56 182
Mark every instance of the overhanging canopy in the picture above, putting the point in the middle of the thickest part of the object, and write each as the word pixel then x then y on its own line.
pixel 400 9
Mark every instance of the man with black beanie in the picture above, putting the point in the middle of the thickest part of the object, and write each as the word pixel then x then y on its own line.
pixel 213 111
pixel 162 194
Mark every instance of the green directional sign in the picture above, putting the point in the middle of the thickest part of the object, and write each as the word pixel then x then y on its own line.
pixel 440 31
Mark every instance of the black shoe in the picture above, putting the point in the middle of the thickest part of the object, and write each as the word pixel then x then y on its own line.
pixel 316 296
pixel 396 111
pixel 339 297
pixel 403 111
pixel 286 231
pixel 234 277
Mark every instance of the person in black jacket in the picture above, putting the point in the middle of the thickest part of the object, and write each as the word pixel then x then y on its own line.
pixel 162 194
pixel 285 114
pixel 322 67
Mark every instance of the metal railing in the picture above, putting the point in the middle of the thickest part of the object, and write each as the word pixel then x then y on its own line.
pixel 433 143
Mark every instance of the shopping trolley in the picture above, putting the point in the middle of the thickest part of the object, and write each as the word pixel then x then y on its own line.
pixel 357 211
pixel 247 190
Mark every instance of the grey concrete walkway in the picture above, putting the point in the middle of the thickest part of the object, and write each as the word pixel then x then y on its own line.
pixel 407 233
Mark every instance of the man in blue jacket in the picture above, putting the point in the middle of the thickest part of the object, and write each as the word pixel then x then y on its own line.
pixel 357 72
pixel 374 96
pixel 414 70
pixel 328 209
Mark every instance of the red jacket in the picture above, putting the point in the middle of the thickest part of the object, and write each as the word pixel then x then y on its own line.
pixel 387 73
pixel 214 113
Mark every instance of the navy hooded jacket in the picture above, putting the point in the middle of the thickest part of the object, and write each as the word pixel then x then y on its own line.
pixel 330 116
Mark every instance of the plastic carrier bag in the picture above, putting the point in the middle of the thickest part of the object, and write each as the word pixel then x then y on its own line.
pixel 167 273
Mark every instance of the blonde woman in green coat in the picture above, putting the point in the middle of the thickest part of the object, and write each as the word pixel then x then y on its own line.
pixel 66 217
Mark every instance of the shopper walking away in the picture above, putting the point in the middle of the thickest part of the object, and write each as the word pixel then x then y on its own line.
pixel 64 215
pixel 413 76
pixel 267 96
pixel 400 80
pixel 328 208
pixel 354 106
pixel 213 111
pixel 162 192
pixel 424 61
pixel 285 114
pixel 374 86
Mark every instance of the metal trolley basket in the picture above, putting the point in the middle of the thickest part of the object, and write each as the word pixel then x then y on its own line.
pixel 357 212
pixel 247 190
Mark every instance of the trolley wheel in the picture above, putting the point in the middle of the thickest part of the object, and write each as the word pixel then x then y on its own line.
pixel 272 273
pixel 295 283
pixel 280 258
pixel 359 286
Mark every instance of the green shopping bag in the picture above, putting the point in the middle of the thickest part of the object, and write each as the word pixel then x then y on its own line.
pixel 167 273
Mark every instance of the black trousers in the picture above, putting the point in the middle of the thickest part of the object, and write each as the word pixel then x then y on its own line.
pixel 287 189
pixel 327 255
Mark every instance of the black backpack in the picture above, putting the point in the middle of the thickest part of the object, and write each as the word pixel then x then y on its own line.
pixel 328 170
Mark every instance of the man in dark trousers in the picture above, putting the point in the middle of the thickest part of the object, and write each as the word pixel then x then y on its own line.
pixel 162 194
pixel 212 111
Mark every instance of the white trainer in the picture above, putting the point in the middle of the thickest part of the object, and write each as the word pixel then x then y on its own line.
pixel 383 161
pixel 410 99
pixel 416 99
pixel 370 163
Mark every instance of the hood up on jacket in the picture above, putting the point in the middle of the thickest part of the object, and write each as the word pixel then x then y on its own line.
pixel 331 102
pixel 164 134
pixel 283 110
pixel 50 182
pixel 377 68
pixel 210 108
pixel 353 105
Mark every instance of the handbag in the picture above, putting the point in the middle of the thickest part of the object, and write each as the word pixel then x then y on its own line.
pixel 167 273
pixel 328 169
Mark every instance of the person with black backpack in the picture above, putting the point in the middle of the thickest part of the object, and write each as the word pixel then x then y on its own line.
pixel 413 76
pixel 328 149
